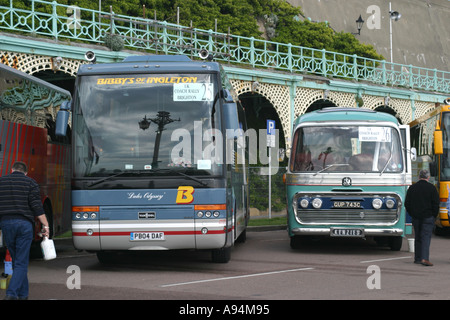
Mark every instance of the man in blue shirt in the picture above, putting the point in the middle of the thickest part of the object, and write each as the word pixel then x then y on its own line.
pixel 20 204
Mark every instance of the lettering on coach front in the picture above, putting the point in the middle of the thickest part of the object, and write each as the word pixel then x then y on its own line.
pixel 143 80
pixel 148 196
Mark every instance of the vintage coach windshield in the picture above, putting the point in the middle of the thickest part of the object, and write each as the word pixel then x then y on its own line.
pixel 347 149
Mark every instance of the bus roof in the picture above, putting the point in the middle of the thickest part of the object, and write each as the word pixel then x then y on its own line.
pixel 6 71
pixel 150 64
pixel 344 114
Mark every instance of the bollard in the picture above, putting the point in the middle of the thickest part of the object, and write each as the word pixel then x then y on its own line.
pixel 411 244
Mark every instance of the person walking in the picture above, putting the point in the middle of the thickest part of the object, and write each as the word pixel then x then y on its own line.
pixel 20 203
pixel 422 204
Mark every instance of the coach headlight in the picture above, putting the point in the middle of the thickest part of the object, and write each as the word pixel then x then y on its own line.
pixel 377 203
pixel 317 203
pixel 304 203
pixel 390 203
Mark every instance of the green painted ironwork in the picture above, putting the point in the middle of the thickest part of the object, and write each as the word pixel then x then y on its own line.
pixel 63 22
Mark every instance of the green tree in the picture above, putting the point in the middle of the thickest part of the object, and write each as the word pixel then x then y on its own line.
pixel 347 43
pixel 237 14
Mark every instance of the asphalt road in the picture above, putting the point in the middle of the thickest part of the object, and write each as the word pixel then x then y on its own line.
pixel 264 268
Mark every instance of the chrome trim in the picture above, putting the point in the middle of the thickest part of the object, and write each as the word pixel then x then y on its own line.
pixel 351 217
pixel 334 179
pixel 367 232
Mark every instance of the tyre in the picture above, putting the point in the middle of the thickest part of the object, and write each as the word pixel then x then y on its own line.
pixel 106 257
pixel 221 255
pixel 295 242
pixel 395 243
pixel 441 231
pixel 242 237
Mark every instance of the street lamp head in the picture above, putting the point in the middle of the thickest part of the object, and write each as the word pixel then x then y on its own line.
pixel 395 15
pixel 144 124
pixel 359 24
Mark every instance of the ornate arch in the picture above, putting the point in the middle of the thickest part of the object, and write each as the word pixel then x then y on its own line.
pixel 342 99
pixel 305 97
pixel 422 108
pixel 401 107
pixel 277 95
pixel 36 63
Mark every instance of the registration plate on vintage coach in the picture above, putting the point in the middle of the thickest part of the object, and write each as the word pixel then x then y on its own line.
pixel 143 236
pixel 347 204
pixel 347 232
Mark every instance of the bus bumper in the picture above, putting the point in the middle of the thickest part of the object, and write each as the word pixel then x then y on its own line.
pixel 367 232
pixel 173 235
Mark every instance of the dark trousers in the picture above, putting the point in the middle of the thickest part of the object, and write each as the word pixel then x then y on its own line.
pixel 423 228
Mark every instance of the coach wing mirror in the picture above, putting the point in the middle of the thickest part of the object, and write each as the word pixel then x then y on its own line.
pixel 438 145
pixel 62 119
pixel 433 169
pixel 230 115
pixel 413 154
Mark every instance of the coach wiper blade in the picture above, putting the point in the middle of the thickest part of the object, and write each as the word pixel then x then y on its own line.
pixel 192 178
pixel 107 178
pixel 181 174
pixel 389 160
pixel 331 166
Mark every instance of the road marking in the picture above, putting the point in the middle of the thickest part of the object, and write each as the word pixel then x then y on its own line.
pixel 409 257
pixel 236 277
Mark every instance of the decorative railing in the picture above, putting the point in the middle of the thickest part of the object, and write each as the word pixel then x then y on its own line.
pixel 63 22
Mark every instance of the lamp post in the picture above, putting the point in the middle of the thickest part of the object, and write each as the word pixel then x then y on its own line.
pixel 162 119
pixel 393 16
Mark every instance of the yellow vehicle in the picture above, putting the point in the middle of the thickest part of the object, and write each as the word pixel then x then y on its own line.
pixel 430 135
